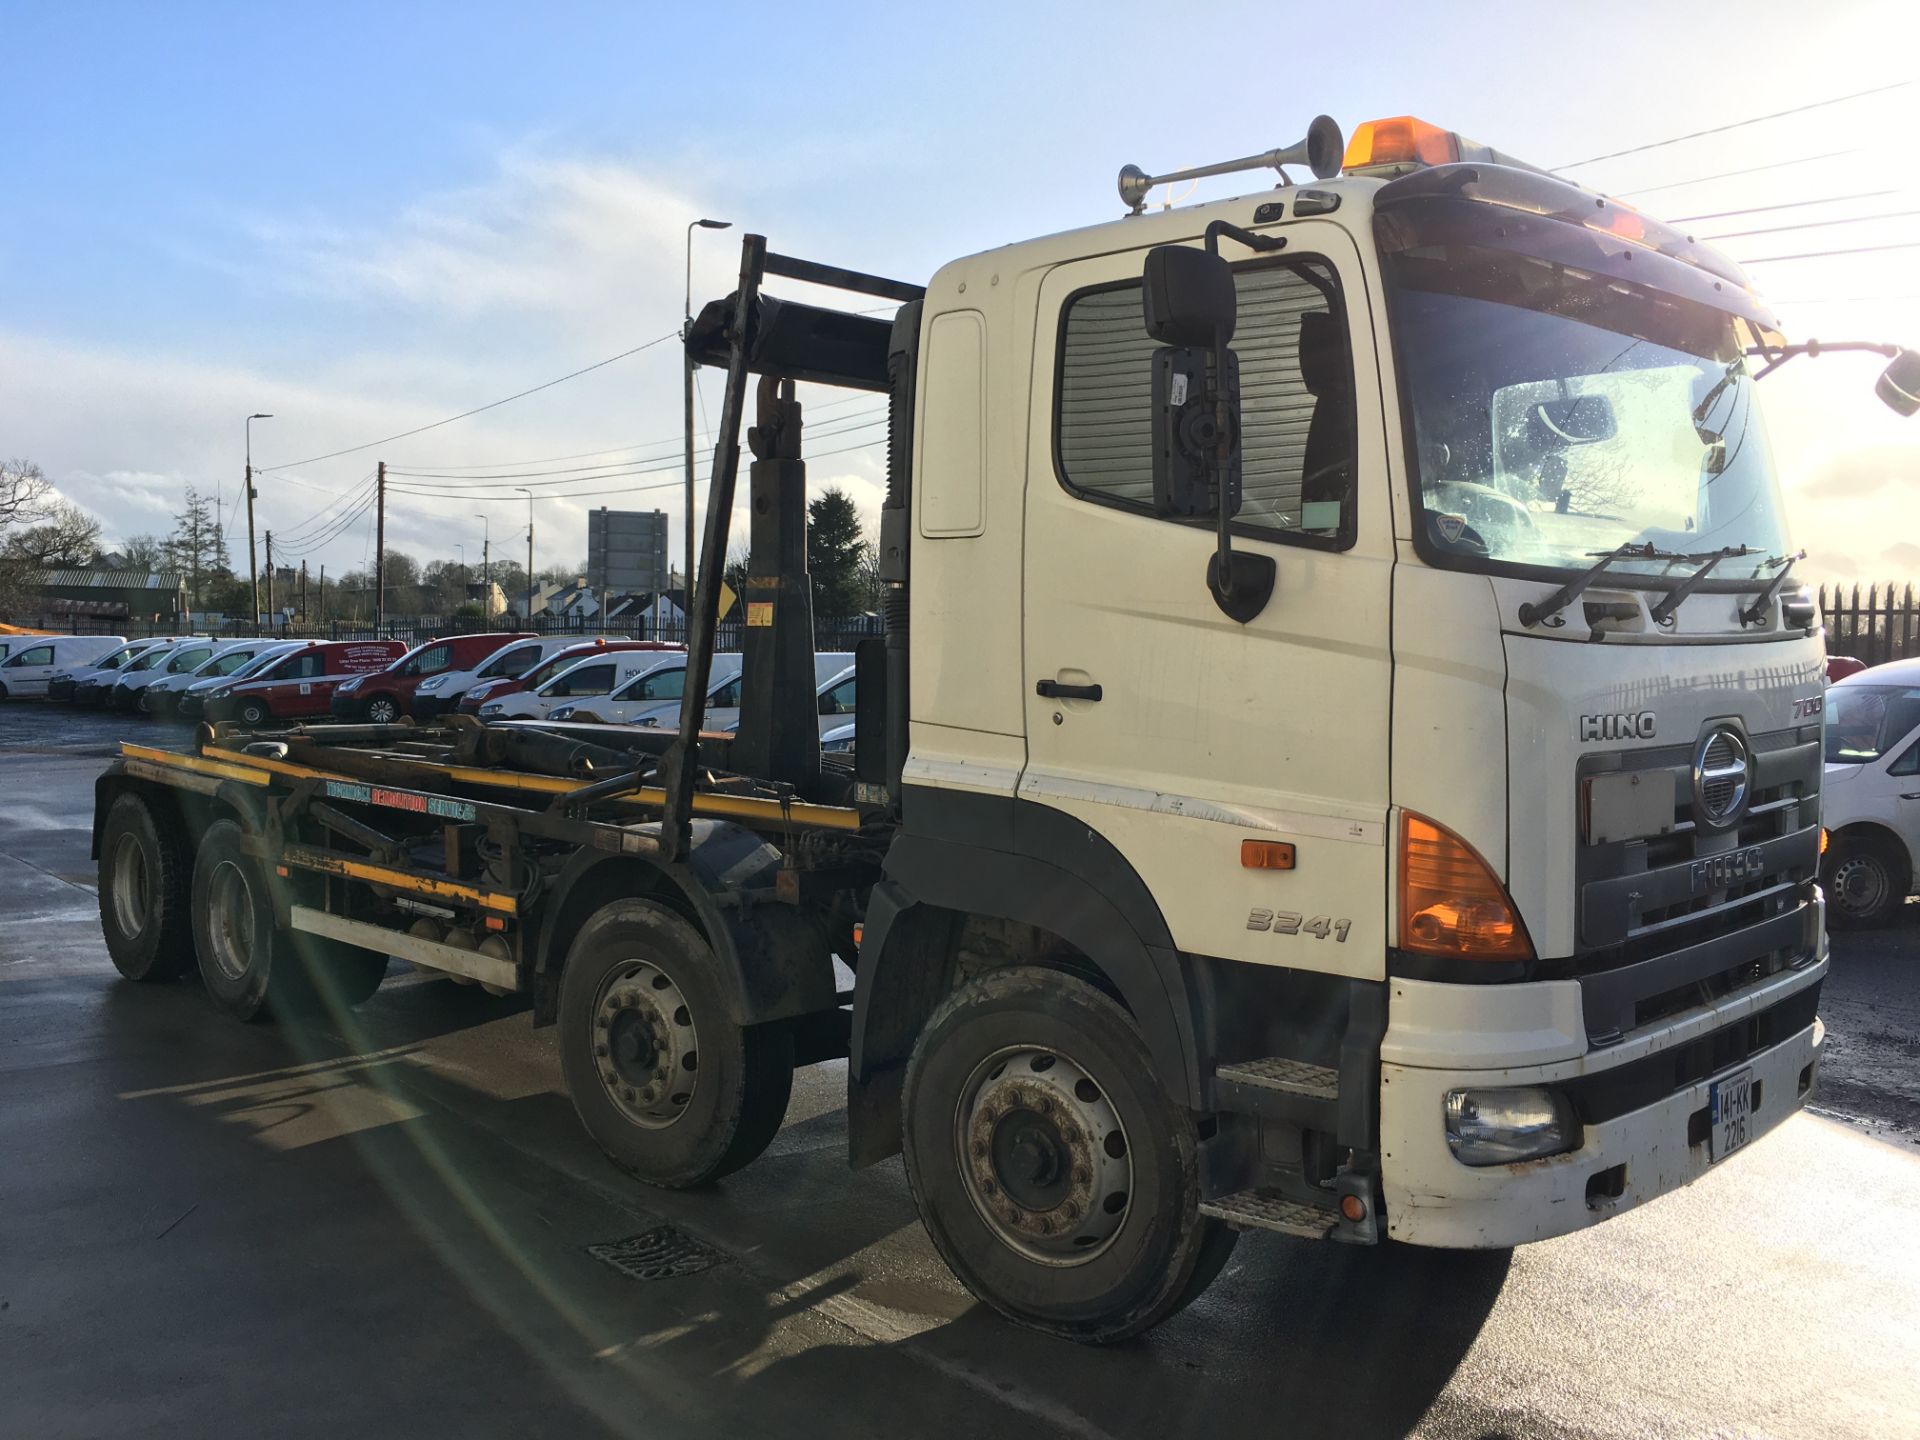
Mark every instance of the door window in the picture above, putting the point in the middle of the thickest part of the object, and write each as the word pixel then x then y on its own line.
pixel 665 685
pixel 428 662
pixel 727 697
pixel 511 663
pixel 839 700
pixel 1297 403
pixel 1908 763
pixel 302 667
pixel 38 655
pixel 188 660
pixel 588 680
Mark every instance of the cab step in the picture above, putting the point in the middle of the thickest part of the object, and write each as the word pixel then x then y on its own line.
pixel 1270 1210
pixel 1289 1077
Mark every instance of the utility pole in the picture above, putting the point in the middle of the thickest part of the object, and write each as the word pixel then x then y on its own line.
pixel 380 551
pixel 323 596
pixel 270 611
pixel 529 494
pixel 486 574
pixel 253 555
pixel 303 592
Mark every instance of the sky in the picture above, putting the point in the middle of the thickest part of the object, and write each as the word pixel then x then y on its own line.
pixel 364 218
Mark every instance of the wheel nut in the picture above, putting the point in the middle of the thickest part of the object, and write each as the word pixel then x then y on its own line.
pixel 988 1186
pixel 627 1092
pixel 600 1050
pixel 1081 1175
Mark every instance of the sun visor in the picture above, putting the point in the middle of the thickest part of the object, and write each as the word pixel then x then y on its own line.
pixel 799 342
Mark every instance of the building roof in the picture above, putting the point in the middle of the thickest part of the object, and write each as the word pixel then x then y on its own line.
pixel 108 579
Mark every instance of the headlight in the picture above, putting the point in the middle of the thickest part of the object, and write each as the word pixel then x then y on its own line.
pixel 429 685
pixel 222 693
pixel 563 712
pixel 1498 1127
pixel 493 708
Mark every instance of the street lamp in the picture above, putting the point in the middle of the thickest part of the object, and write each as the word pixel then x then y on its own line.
pixel 253 566
pixel 686 363
pixel 529 494
pixel 486 553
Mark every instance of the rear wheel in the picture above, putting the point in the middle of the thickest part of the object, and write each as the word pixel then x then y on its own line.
pixel 1053 1173
pixel 144 893
pixel 246 964
pixel 669 1085
pixel 1866 880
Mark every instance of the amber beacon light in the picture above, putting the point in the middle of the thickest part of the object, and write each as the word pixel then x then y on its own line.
pixel 1450 902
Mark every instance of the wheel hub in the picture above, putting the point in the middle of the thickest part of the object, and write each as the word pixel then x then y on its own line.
pixel 130 887
pixel 1044 1155
pixel 231 911
pixel 646 1049
pixel 1859 883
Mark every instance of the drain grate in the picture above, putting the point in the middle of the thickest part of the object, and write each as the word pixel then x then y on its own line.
pixel 658 1254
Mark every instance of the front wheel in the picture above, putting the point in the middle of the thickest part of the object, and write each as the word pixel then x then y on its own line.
pixel 1052 1171
pixel 252 714
pixel 1866 881
pixel 382 710
pixel 144 903
pixel 668 1083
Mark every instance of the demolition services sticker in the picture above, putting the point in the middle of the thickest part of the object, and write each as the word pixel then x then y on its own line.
pixel 760 614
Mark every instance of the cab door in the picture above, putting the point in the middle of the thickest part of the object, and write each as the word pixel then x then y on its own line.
pixel 27 671
pixel 1207 733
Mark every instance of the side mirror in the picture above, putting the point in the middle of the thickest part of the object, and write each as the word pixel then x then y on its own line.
pixel 1188 296
pixel 1191 306
pixel 1899 383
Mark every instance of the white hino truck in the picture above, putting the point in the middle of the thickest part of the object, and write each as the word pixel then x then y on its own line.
pixel 1343 758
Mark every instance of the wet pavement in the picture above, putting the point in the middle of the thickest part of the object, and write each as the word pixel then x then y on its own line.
pixel 215 1229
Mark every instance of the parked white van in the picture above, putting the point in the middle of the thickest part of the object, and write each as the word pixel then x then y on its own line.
pixel 66 679
pixel 25 672
pixel 832 673
pixel 596 676
pixel 441 694
pixel 650 690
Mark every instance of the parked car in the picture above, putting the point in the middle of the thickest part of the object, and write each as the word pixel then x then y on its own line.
pixel 661 683
pixel 441 694
pixel 162 695
pixel 561 659
pixel 596 675
pixel 832 670
pixel 130 690
pixel 192 702
pixel 62 683
pixel 300 684
pixel 837 741
pixel 384 696
pixel 27 670
pixel 1841 666
pixel 97 689
pixel 1870 794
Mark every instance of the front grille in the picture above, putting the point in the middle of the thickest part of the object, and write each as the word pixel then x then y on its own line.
pixel 1680 918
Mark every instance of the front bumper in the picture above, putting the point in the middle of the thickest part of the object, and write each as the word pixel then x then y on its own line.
pixel 348 707
pixel 432 707
pixel 60 689
pixel 1625 1158
pixel 89 693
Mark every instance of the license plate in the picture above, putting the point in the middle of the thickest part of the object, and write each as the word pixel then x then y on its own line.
pixel 1732 1104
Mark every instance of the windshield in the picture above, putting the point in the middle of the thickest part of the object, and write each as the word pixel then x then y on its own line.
pixel 1558 415
pixel 1866 721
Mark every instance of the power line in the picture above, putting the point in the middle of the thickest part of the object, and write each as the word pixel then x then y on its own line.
pixel 293 533
pixel 1732 125
pixel 1813 225
pixel 1749 170
pixel 1827 254
pixel 1785 205
pixel 464 414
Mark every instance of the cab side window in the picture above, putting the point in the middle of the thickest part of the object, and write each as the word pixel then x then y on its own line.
pixel 665 686
pixel 302 667
pixel 1297 405
pixel 1907 764
pixel 839 700
pixel 593 680
pixel 38 655
pixel 727 697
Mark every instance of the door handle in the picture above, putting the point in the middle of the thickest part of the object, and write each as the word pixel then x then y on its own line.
pixel 1054 690
pixel 1910 795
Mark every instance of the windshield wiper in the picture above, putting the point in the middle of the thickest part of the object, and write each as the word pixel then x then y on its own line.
pixel 1757 611
pixel 1531 614
pixel 1663 612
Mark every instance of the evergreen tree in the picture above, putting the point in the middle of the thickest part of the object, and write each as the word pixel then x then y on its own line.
pixel 835 550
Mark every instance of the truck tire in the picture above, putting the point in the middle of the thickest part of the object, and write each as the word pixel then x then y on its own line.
pixel 383 710
pixel 1052 1171
pixel 252 713
pixel 248 966
pixel 673 1091
pixel 144 893
pixel 1866 880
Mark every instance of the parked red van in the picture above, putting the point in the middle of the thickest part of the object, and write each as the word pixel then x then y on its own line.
pixel 299 685
pixel 384 696
pixel 559 660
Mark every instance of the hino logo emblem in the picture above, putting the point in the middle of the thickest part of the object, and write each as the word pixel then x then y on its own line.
pixel 1637 726
pixel 1721 770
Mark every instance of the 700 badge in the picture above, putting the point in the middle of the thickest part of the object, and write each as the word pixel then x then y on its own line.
pixel 1286 922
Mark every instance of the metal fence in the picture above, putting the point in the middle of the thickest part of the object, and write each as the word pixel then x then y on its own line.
pixel 416 629
pixel 1881 625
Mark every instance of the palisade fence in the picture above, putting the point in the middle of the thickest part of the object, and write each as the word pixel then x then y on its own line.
pixel 1881 625
pixel 414 629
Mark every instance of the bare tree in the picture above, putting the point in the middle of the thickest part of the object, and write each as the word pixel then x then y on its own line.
pixel 65 536
pixel 24 491
pixel 143 552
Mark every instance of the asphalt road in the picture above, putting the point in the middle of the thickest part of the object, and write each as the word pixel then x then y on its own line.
pixel 214 1229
